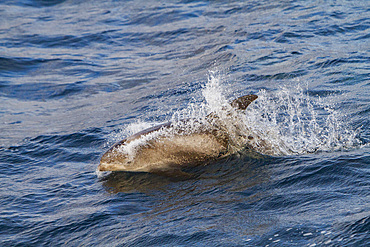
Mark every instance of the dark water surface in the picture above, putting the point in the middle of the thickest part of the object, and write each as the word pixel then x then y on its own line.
pixel 75 75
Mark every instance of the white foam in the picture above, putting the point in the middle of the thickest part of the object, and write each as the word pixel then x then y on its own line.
pixel 100 174
pixel 286 121
pixel 294 123
pixel 131 147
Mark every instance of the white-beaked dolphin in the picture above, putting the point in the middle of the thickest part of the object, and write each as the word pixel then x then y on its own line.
pixel 157 150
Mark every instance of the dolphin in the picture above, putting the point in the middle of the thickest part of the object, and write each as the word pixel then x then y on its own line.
pixel 169 147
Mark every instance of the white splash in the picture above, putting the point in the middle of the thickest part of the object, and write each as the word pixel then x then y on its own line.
pixel 282 122
pixel 213 92
pixel 294 123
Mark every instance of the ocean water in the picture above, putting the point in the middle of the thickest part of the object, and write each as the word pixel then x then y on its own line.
pixel 78 76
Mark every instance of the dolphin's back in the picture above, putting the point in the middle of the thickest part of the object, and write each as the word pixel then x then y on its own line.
pixel 140 134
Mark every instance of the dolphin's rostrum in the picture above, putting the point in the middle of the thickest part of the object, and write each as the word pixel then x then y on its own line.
pixel 170 147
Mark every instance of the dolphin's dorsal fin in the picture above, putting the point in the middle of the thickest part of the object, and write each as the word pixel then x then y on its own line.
pixel 243 102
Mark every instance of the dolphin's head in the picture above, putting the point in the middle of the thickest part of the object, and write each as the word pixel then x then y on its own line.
pixel 113 160
pixel 243 102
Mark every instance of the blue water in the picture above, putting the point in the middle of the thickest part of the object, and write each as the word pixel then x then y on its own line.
pixel 77 76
